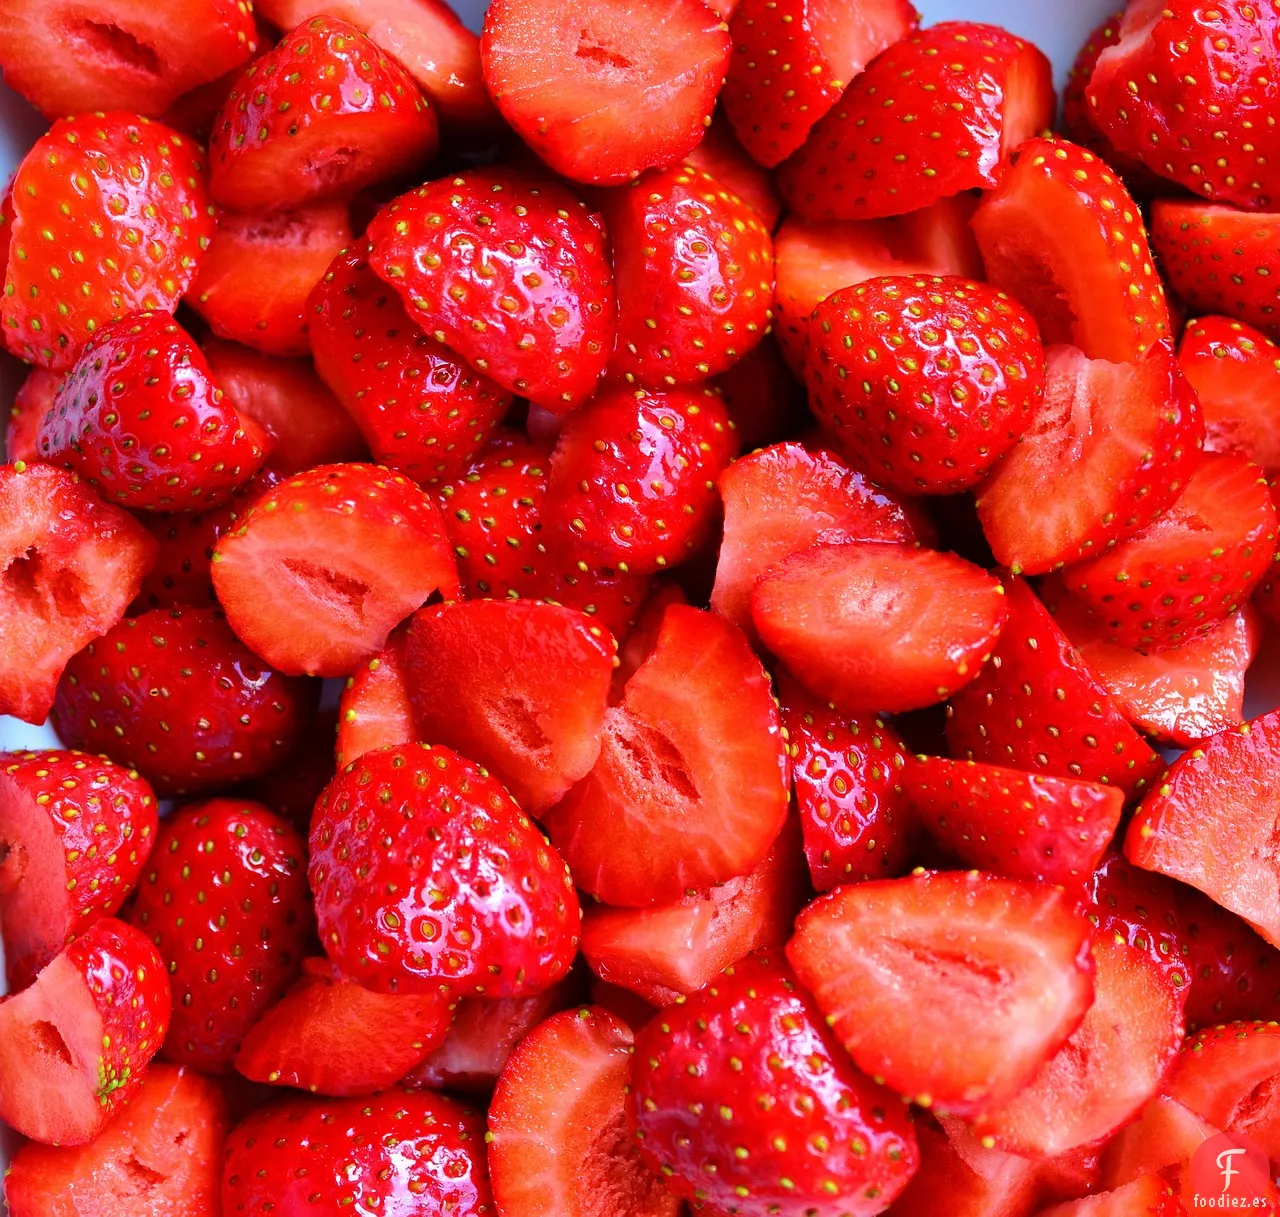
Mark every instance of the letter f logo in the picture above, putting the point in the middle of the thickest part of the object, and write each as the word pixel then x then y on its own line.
pixel 1227 1167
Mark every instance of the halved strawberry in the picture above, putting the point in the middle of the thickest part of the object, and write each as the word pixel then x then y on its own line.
pixel 1149 1196
pixel 689 788
pixel 69 566
pixel 792 60
pixel 323 114
pixel 33 400
pixel 875 626
pixel 1037 707
pixel 896 965
pixel 604 93
pixel 1128 434
pixel 721 155
pixel 322 567
pixel 374 709
pixel 933 115
pixel 1061 234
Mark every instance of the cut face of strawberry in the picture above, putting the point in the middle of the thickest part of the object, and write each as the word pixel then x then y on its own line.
pixel 895 963
pixel 1165 1135
pixel 604 93
pixel 959 1176
pixel 1149 1196
pixel 871 626
pixel 1130 434
pixel 374 710
pixel 689 789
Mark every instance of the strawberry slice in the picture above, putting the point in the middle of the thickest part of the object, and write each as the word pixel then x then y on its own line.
pixel 721 155
pixel 1211 822
pixel 792 60
pixel 33 400
pixel 873 626
pixel 1130 435
pixel 1062 235
pixel 1020 825
pixel 604 93
pixel 554 1123
pixel 932 116
pixel 69 566
pixel 521 688
pixel 897 964
pixel 1149 1196
pixel 689 789
pixel 283 137
pixel 321 568
pixel 1037 707
pixel 331 1036
pixel 374 710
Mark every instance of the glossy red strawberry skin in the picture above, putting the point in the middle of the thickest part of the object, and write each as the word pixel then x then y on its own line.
pixel 31 403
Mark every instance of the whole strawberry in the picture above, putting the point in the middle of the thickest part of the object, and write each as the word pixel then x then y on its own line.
pixel 225 901
pixel 924 382
pixel 427 876
pixel 741 1098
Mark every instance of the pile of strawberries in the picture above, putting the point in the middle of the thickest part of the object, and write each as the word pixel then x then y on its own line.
pixel 760 514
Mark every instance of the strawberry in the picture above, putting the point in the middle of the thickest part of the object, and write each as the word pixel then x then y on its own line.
pixel 896 964
pixel 554 1122
pixel 1160 93
pixel 1020 825
pixel 792 60
pixel 848 775
pixel 117 56
pixel 1142 910
pixel 162 1153
pixel 872 626
pixel 1037 707
pixel 924 382
pixel 1267 597
pixel 720 154
pixel 1129 436
pixel 604 93
pixel 331 1036
pixel 133 234
pixel 633 477
pixel 763 400
pixel 33 400
pixel 1162 1139
pixel 75 832
pixel 511 272
pixel 177 695
pixel 428 877
pixel 1149 1196
pixel 321 568
pixel 693 271
pixel 291 787
pixel 254 279
pixel 390 1153
pixel 225 902
pixel 374 709
pixel 963 1178
pixel 933 115
pixel 642 638
pixel 69 566
pixel 74 1046
pixel 283 139
pixel 820 1138
pixel 1062 234
pixel 689 790
pixel 140 419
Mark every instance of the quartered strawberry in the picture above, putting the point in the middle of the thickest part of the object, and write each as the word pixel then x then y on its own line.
pixel 141 420
pixel 689 790
pixel 33 400
pixel 792 60
pixel 285 137
pixel 428 877
pixel 896 965
pixel 820 1137
pixel 924 382
pixel 875 626
pixel 1062 234
pixel 69 566
pixel 331 1036
pixel 75 1044
pixel 421 409
pixel 255 277
pixel 1036 707
pixel 123 201
pixel 161 1153
pixel 388 1153
pixel 693 272
pixel 555 1120
pixel 509 270
pixel 178 696
pixel 322 568
pixel 603 94
pixel 374 710
pixel 933 115
pixel 75 832
pixel 721 155
pixel 1111 447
